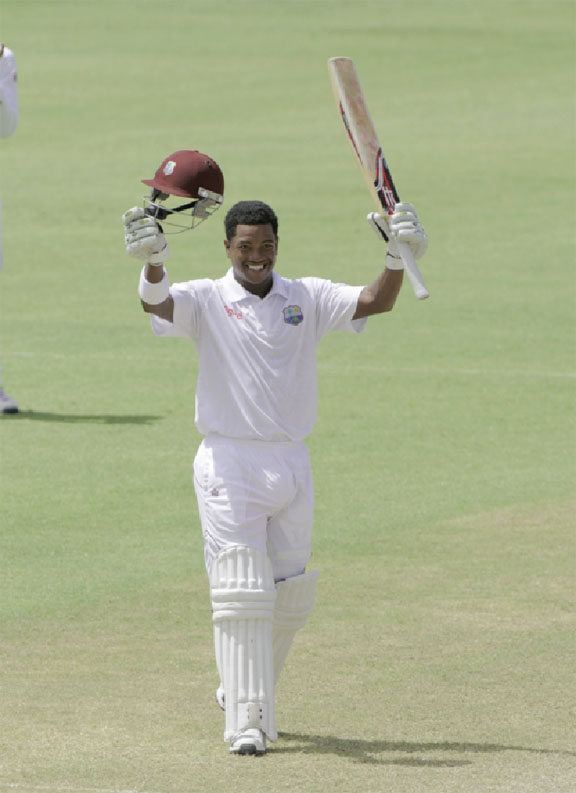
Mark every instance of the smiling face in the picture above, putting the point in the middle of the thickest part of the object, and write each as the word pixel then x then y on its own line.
pixel 252 251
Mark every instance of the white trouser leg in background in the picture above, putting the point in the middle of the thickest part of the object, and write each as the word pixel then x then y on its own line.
pixel 243 596
pixel 294 602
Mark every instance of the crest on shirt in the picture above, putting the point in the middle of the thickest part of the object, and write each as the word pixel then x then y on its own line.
pixel 293 315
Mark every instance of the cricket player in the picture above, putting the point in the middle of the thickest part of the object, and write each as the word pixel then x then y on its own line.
pixel 255 334
pixel 8 124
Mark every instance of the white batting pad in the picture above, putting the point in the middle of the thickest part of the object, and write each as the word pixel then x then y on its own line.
pixel 294 601
pixel 243 596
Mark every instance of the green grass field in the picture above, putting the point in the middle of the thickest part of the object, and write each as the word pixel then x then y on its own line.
pixel 440 656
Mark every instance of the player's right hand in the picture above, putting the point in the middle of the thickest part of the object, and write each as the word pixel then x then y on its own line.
pixel 143 237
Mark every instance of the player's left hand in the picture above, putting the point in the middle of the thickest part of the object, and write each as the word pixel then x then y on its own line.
pixel 405 226
pixel 143 237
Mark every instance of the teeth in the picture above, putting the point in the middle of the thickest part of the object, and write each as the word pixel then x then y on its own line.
pixel 255 266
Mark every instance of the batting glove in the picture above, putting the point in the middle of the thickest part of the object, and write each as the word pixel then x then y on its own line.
pixel 380 225
pixel 143 237
pixel 402 226
pixel 405 227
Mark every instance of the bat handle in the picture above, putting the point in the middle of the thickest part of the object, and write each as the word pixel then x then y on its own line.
pixel 413 272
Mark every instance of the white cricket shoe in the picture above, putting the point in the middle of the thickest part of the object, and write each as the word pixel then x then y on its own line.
pixel 7 405
pixel 250 741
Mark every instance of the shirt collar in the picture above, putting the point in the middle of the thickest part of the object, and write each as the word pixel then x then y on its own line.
pixel 235 292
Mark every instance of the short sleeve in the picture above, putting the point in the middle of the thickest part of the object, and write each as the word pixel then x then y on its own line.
pixel 335 304
pixel 189 297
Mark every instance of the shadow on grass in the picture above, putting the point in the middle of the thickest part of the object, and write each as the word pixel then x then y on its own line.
pixel 72 418
pixel 365 751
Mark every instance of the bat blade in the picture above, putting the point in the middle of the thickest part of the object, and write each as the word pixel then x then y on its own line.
pixel 364 141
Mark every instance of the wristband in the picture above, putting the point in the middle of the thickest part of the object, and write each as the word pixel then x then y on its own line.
pixel 153 293
pixel 393 262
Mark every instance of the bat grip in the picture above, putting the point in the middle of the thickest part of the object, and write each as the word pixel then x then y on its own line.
pixel 413 272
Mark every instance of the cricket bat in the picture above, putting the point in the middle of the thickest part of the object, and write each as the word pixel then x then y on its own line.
pixel 362 135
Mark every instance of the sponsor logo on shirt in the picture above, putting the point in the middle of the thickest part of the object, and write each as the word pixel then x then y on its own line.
pixel 232 313
pixel 293 315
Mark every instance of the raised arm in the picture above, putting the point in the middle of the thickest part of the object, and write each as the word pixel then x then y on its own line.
pixel 381 295
pixel 403 226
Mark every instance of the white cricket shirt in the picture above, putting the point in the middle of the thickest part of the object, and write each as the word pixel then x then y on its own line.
pixel 257 357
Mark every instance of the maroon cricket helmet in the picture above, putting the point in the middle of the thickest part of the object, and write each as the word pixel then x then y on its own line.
pixel 185 172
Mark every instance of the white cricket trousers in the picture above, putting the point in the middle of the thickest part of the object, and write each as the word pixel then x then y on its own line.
pixel 257 494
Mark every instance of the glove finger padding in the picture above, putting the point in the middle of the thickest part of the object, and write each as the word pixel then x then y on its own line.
pixel 405 226
pixel 135 232
pixel 143 237
pixel 134 213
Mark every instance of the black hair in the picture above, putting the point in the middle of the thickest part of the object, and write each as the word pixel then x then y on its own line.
pixel 249 213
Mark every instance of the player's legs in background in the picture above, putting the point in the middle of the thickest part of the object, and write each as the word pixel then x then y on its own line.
pixel 7 405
